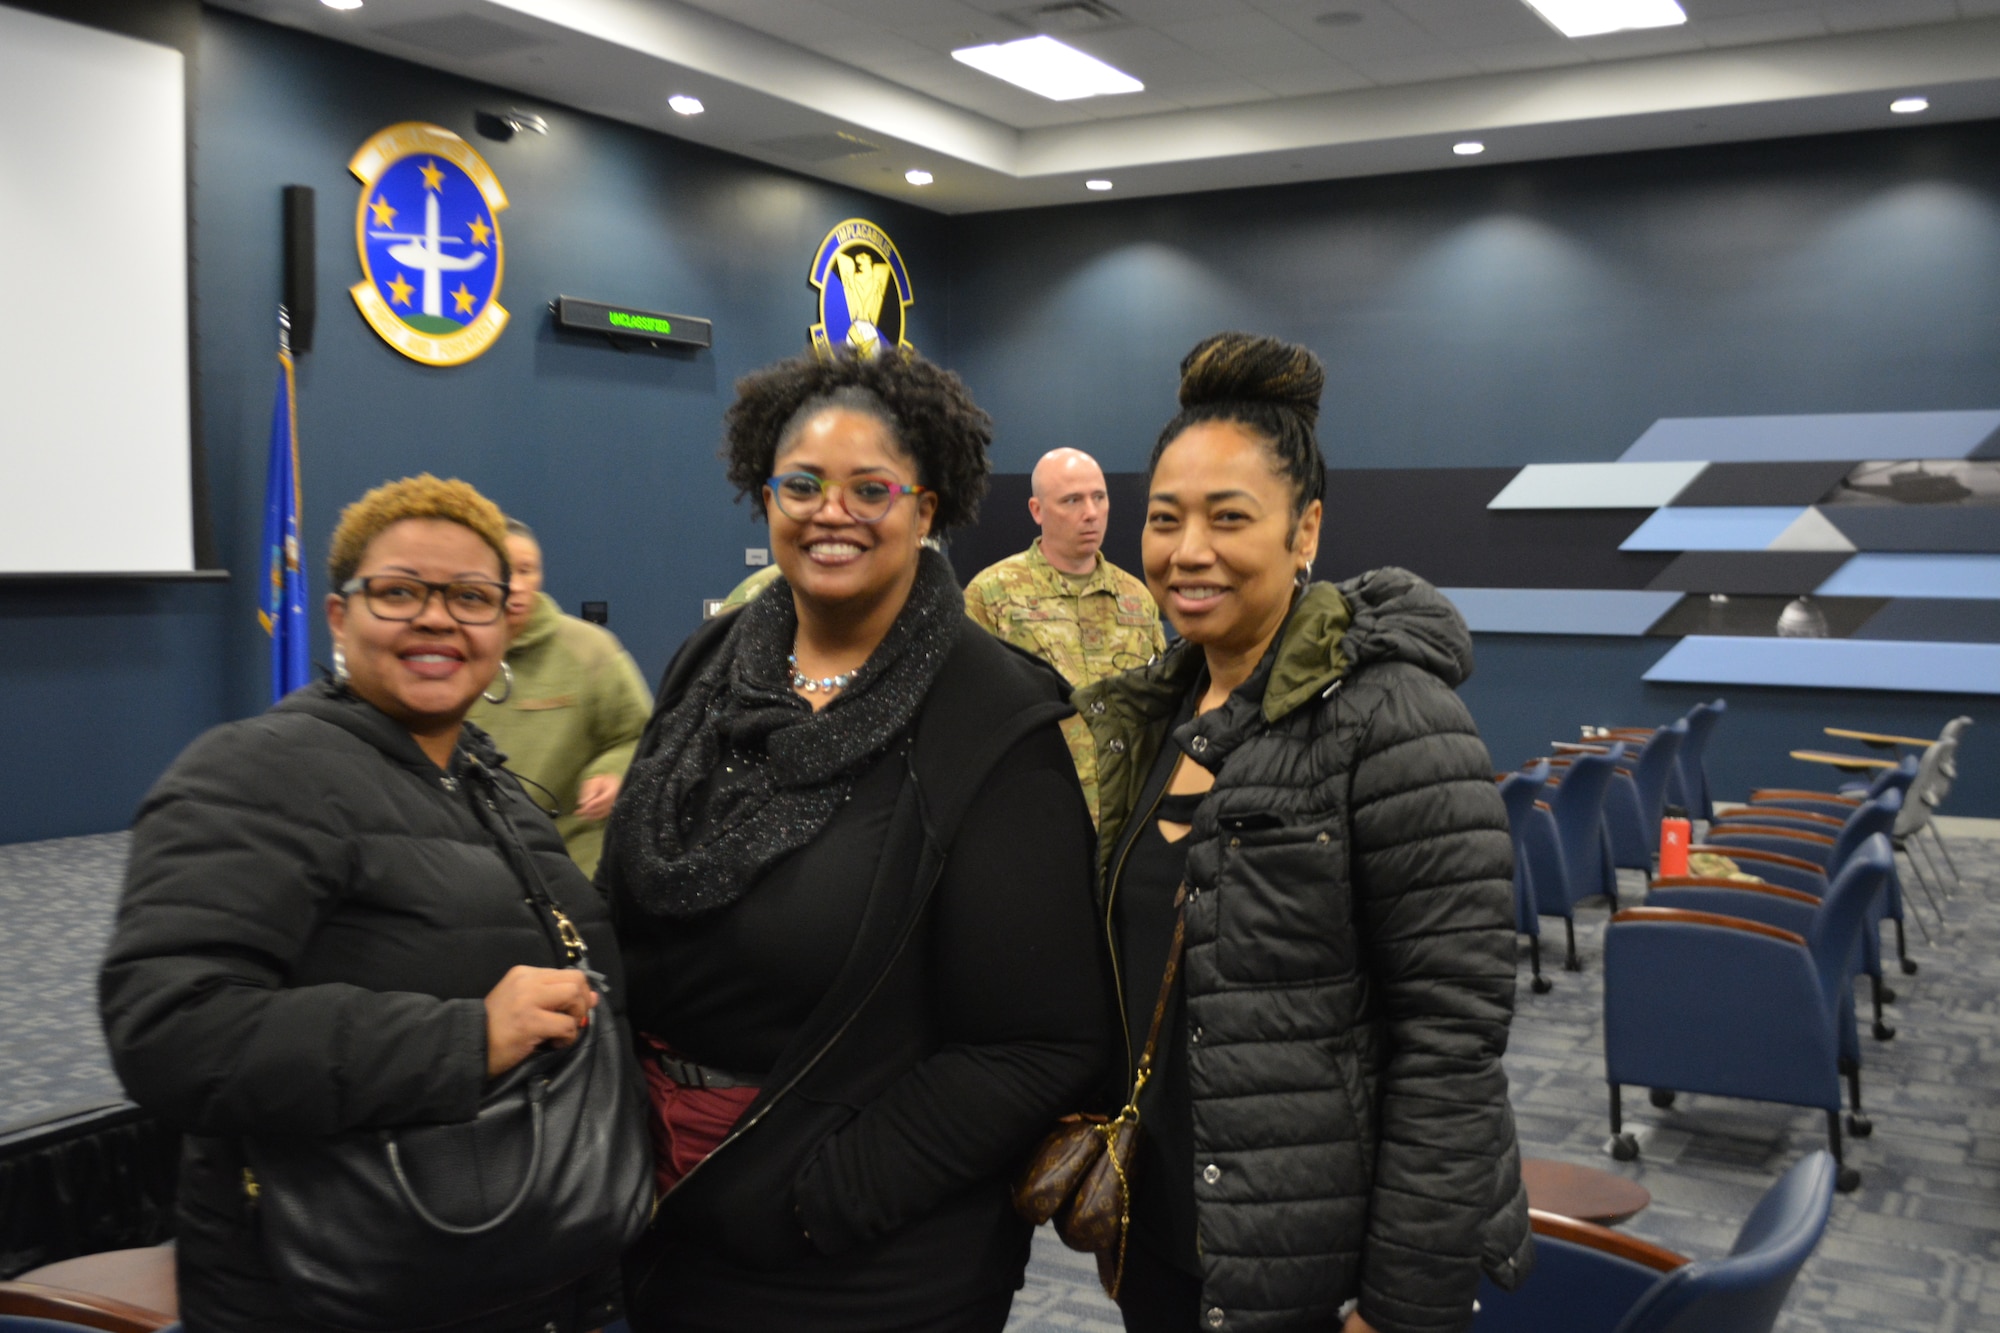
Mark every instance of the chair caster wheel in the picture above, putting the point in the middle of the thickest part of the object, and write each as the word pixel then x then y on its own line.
pixel 1542 986
pixel 1888 995
pixel 1909 967
pixel 1847 1181
pixel 1883 1032
pixel 1623 1148
pixel 1860 1126
pixel 1662 1097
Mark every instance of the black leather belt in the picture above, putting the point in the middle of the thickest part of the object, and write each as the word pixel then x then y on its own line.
pixel 688 1074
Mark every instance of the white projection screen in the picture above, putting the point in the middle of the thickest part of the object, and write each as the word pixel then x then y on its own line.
pixel 94 393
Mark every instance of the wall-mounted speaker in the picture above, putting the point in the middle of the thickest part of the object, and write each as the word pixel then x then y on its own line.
pixel 300 299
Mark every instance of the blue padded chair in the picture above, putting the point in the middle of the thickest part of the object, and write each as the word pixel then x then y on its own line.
pixel 1590 1279
pixel 1577 805
pixel 1688 785
pixel 1835 803
pixel 1787 909
pixel 1637 795
pixel 1519 792
pixel 1876 815
pixel 1698 1002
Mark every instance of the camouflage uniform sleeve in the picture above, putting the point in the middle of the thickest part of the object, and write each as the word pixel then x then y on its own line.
pixel 1083 750
pixel 979 608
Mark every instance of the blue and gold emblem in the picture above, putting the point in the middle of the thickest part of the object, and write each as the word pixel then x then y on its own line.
pixel 863 290
pixel 428 229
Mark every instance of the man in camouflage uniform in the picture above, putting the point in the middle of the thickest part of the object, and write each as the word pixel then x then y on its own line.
pixel 1063 601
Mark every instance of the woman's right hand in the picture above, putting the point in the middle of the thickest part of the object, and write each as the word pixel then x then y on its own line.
pixel 532 1006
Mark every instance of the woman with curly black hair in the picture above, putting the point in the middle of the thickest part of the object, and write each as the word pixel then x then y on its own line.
pixel 862 993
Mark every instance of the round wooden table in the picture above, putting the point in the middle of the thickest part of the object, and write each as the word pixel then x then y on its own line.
pixel 1582 1192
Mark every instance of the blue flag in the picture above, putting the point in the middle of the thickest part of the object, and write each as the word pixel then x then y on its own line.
pixel 282 605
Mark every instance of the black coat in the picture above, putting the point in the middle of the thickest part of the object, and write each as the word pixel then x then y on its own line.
pixel 312 916
pixel 1350 966
pixel 873 1119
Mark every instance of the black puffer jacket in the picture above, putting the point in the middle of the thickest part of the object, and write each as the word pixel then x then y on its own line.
pixel 312 916
pixel 1349 969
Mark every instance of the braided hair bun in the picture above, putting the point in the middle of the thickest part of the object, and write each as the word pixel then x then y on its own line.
pixel 1270 387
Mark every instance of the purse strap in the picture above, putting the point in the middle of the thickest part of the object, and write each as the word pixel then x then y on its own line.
pixel 564 937
pixel 1167 979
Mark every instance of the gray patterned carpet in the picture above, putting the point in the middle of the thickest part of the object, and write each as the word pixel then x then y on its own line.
pixel 1918 1247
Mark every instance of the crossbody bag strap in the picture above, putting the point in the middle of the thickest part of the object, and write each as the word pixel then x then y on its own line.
pixel 564 937
pixel 1167 979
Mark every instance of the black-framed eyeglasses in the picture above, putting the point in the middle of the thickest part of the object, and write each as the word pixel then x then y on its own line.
pixel 867 499
pixel 400 597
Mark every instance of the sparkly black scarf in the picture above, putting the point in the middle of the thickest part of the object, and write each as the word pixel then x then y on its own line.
pixel 744 772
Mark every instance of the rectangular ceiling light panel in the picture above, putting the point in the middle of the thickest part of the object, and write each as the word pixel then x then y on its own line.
pixel 1593 18
pixel 1048 68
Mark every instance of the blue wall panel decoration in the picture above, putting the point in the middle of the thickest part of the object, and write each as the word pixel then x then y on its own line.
pixel 1596 485
pixel 1859 436
pixel 1560 610
pixel 1841 664
pixel 1745 528
pixel 1902 575
pixel 1917 527
pixel 1940 619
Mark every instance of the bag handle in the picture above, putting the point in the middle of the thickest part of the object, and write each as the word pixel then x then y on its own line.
pixel 1167 979
pixel 537 1089
pixel 564 937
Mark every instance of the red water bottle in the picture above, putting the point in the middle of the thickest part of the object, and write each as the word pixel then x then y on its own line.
pixel 1675 834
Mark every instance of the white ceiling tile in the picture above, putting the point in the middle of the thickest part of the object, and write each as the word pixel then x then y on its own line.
pixel 1645 42
pixel 1150 56
pixel 1233 91
pixel 1426 68
pixel 869 50
pixel 1464 24
pixel 1334 78
pixel 1778 25
pixel 1517 56
pixel 952 82
pixel 1977 9
pixel 1864 15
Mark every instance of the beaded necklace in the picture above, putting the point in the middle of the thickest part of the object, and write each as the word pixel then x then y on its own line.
pixel 821 684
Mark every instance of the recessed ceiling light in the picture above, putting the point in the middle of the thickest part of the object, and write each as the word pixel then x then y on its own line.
pixel 917 176
pixel 1049 68
pixel 1470 148
pixel 341 4
pixel 1097 185
pixel 1593 18
pixel 687 106
pixel 1910 106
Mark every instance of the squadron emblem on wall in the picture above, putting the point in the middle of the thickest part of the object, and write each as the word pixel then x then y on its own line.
pixel 428 230
pixel 863 290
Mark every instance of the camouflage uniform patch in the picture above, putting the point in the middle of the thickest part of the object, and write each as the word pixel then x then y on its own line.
pixel 1106 625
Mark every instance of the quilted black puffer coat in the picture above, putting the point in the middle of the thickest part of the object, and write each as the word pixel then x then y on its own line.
pixel 1350 966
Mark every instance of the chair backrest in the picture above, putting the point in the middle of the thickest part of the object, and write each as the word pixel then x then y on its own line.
pixel 1579 810
pixel 1586 1278
pixel 1745 1292
pixel 1924 793
pixel 1519 791
pixel 1838 924
pixel 1693 769
pixel 1655 766
pixel 1878 814
pixel 1900 777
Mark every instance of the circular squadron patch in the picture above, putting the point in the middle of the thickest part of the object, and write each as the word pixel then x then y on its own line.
pixel 428 230
pixel 863 290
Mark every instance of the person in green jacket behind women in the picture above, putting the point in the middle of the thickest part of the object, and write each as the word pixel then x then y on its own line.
pixel 570 707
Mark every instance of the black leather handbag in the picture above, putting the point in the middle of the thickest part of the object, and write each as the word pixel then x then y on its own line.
pixel 423 1225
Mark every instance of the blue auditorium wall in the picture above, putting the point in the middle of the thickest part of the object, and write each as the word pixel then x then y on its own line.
pixel 1491 317
pixel 612 456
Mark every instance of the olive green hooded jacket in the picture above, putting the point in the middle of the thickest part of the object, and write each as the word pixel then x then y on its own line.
pixel 576 710
pixel 1349 974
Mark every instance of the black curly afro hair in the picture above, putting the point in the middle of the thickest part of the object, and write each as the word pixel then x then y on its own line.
pixel 926 407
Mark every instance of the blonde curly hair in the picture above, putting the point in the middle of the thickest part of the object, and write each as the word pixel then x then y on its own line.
pixel 422 496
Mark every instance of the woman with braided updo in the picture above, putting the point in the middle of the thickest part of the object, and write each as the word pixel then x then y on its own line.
pixel 1327 1139
pixel 851 873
